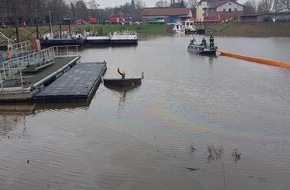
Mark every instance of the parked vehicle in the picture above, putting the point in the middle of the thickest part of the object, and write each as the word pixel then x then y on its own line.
pixel 81 22
pixel 93 20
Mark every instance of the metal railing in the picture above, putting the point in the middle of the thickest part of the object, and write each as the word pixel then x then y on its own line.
pixel 12 68
pixel 16 50
pixel 66 50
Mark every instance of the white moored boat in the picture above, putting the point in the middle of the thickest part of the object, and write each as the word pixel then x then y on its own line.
pixel 124 38
pixel 98 40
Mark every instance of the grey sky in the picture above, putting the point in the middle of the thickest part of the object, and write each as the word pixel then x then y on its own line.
pixel 114 3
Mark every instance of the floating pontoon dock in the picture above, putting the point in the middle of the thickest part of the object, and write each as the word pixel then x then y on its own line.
pixel 53 74
pixel 77 84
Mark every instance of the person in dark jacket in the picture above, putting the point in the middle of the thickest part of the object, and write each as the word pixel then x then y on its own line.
pixel 211 42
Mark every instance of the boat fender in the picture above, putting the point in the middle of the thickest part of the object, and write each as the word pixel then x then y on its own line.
pixel 37 46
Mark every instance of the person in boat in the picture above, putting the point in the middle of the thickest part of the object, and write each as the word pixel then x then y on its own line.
pixel 203 42
pixel 211 42
pixel 193 41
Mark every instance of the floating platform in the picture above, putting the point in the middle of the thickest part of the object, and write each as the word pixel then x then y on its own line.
pixel 97 40
pixel 61 41
pixel 90 41
pixel 13 91
pixel 76 85
pixel 127 82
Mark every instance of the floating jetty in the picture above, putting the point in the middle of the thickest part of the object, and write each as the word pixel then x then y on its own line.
pixel 25 87
pixel 76 85
pixel 49 75
pixel 123 38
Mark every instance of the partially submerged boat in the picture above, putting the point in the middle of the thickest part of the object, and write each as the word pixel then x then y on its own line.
pixel 123 82
pixel 201 48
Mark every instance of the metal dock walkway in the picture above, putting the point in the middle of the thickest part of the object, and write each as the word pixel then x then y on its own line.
pixel 76 85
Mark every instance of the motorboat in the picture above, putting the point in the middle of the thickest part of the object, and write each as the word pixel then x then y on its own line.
pixel 178 27
pixel 189 27
pixel 186 27
pixel 201 48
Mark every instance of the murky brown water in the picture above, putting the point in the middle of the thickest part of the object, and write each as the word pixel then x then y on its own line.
pixel 167 133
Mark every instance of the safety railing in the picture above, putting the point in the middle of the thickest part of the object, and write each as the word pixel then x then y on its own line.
pixel 12 68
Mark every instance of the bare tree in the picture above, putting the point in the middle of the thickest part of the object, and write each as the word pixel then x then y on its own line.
pixel 140 5
pixel 162 4
pixel 81 10
pixel 265 6
pixel 250 7
pixel 192 3
pixel 283 4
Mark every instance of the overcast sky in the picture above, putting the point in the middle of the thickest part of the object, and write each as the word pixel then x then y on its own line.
pixel 114 3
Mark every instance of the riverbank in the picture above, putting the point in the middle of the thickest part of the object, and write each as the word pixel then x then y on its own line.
pixel 280 29
pixel 217 29
pixel 29 33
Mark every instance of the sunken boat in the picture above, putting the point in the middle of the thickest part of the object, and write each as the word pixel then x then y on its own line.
pixel 123 82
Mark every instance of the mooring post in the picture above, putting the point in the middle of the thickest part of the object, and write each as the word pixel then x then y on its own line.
pixel 17 32
pixel 37 31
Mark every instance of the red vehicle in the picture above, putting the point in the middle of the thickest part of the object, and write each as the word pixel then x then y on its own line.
pixel 118 20
pixel 81 22
pixel 115 20
pixel 93 21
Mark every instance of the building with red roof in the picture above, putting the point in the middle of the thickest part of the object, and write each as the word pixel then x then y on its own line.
pixel 168 15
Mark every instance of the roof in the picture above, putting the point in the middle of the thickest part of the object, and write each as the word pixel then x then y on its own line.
pixel 219 3
pixel 165 11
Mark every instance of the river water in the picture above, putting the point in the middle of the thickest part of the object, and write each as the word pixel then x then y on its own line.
pixel 177 130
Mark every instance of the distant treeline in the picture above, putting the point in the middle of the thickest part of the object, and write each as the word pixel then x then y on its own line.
pixel 31 12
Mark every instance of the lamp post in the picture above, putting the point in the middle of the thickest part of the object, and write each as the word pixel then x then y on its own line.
pixel 49 15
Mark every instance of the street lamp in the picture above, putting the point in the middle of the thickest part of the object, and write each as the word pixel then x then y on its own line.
pixel 49 15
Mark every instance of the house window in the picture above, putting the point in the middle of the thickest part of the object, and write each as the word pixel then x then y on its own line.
pixel 235 9
pixel 224 10
pixel 230 10
pixel 229 3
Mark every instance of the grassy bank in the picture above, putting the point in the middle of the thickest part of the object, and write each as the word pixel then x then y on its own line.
pixel 29 33
pixel 226 29
pixel 250 29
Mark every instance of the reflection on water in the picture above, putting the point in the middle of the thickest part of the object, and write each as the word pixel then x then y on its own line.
pixel 195 122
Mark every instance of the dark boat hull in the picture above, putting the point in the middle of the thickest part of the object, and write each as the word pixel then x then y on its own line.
pixel 59 42
pixel 208 52
pixel 124 42
pixel 97 42
pixel 190 31
pixel 129 82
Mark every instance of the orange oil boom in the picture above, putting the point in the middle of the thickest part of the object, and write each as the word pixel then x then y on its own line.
pixel 258 60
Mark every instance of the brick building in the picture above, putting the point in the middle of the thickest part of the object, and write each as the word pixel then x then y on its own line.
pixel 219 10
